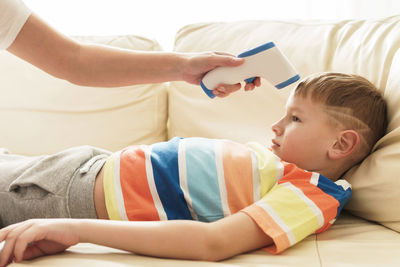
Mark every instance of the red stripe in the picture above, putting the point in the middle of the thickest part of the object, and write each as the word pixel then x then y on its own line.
pixel 138 200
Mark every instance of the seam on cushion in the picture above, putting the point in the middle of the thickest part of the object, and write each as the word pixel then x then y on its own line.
pixel 317 249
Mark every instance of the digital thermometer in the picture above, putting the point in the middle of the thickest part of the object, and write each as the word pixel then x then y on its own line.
pixel 265 61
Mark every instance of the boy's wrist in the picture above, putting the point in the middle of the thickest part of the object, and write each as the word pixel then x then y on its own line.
pixel 82 229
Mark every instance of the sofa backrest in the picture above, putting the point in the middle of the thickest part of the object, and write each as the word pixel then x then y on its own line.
pixel 40 114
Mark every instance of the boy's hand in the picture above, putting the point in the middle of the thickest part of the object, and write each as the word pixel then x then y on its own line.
pixel 35 238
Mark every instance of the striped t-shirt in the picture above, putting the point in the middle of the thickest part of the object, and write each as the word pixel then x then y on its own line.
pixel 207 179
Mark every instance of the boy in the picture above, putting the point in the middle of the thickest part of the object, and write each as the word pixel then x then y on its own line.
pixel 180 184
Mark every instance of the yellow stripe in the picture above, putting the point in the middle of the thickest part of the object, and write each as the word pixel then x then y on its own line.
pixel 296 214
pixel 109 190
pixel 267 167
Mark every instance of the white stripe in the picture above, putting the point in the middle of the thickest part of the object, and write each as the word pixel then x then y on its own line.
pixel 117 185
pixel 152 185
pixel 317 212
pixel 278 220
pixel 256 177
pixel 343 183
pixel 279 169
pixel 183 177
pixel 314 178
pixel 221 178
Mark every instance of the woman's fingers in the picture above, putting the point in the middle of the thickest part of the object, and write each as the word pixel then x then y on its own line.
pixel 224 90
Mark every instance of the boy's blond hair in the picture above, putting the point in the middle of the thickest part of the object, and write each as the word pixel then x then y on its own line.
pixel 352 102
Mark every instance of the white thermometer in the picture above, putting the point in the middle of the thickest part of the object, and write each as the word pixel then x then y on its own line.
pixel 265 61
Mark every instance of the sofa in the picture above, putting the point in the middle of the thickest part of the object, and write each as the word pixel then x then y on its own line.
pixel 40 114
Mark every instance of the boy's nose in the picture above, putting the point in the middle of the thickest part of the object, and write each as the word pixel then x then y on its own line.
pixel 276 128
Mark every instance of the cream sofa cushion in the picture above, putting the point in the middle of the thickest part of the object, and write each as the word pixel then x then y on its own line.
pixel 377 182
pixel 364 47
pixel 50 114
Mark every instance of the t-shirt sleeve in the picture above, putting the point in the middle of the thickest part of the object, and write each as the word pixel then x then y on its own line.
pixel 13 15
pixel 296 208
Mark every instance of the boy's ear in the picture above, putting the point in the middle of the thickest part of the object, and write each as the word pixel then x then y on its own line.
pixel 345 144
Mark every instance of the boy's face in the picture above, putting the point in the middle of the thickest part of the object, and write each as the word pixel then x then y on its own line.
pixel 304 135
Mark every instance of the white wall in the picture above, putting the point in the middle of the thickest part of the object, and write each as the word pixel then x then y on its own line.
pixel 160 19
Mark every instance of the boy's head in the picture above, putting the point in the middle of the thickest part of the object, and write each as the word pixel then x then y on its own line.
pixel 332 121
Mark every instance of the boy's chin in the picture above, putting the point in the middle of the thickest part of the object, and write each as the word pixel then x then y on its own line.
pixel 275 150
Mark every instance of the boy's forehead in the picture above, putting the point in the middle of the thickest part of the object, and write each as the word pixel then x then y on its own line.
pixel 301 103
pixel 295 102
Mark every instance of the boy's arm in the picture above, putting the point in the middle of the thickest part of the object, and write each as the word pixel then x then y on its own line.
pixel 181 239
pixel 171 239
pixel 96 65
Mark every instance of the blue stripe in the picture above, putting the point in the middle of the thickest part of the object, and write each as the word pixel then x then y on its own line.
pixel 202 179
pixel 250 80
pixel 336 191
pixel 164 160
pixel 288 82
pixel 257 49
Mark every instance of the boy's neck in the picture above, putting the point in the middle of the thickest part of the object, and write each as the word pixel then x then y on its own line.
pixel 333 173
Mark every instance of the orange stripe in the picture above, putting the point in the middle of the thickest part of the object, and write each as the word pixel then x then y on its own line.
pixel 238 174
pixel 323 228
pixel 292 172
pixel 138 201
pixel 301 179
pixel 269 227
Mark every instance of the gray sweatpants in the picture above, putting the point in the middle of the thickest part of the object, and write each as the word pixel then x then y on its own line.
pixel 51 186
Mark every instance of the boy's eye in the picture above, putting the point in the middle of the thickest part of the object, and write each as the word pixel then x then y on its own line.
pixel 295 119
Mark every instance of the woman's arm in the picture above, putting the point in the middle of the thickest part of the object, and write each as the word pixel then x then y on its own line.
pixel 97 65
pixel 171 239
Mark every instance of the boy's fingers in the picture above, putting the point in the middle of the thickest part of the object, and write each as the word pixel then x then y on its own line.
pixel 12 234
pixel 23 241
pixel 31 252
pixel 4 231
pixel 7 252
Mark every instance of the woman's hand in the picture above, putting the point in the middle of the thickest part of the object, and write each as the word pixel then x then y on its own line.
pixel 223 90
pixel 35 238
pixel 197 65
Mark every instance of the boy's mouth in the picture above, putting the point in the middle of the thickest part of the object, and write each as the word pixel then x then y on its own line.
pixel 275 144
